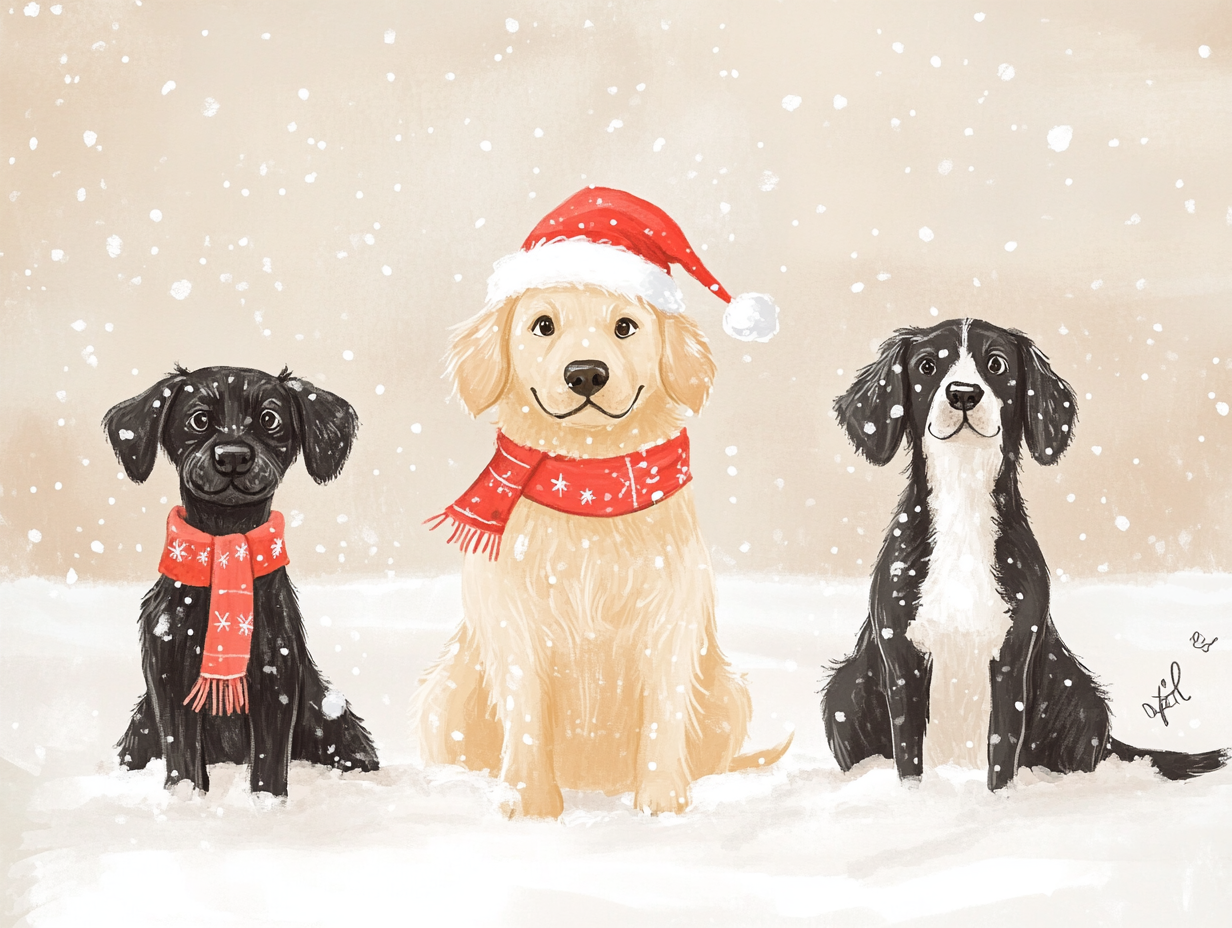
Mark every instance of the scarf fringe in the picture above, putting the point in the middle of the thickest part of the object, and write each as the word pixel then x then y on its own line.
pixel 230 694
pixel 470 539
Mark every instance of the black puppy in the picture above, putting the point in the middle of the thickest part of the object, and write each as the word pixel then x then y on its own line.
pixel 232 433
pixel 959 642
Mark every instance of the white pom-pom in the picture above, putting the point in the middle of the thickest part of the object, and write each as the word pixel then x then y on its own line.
pixel 751 317
pixel 333 705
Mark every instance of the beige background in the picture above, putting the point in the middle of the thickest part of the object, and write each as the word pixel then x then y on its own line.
pixel 804 504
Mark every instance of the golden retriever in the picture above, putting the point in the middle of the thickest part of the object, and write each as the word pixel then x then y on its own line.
pixel 587 656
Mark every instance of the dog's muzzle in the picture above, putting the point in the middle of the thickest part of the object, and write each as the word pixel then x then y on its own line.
pixel 230 472
pixel 961 411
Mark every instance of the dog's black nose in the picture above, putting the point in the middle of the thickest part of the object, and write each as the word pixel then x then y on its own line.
pixel 964 396
pixel 232 459
pixel 586 378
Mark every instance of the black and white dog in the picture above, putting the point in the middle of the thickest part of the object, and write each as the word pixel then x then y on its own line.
pixel 959 661
pixel 231 434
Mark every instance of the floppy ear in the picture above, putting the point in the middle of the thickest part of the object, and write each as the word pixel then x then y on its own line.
pixel 686 365
pixel 326 425
pixel 874 408
pixel 135 427
pixel 477 361
pixel 1049 407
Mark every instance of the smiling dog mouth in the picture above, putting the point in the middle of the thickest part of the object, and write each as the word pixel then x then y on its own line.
pixel 230 489
pixel 200 476
pixel 588 403
pixel 962 425
pixel 234 485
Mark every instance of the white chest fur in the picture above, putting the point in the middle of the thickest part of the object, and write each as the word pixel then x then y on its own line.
pixel 962 619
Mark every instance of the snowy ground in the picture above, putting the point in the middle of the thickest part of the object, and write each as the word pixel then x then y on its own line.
pixel 802 843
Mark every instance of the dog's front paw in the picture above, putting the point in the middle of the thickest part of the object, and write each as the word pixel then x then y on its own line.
pixel 183 790
pixel 660 794
pixel 183 787
pixel 522 801
pixel 263 801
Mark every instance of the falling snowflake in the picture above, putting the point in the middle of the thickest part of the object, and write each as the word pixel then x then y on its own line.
pixel 178 550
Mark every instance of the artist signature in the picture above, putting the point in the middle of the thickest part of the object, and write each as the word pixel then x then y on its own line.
pixel 1198 640
pixel 1165 698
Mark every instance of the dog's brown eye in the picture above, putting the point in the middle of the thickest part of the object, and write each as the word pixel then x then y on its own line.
pixel 625 327
pixel 997 365
pixel 544 326
pixel 199 421
pixel 928 367
pixel 270 420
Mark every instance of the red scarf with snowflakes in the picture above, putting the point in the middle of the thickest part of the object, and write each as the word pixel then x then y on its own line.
pixel 228 565
pixel 602 487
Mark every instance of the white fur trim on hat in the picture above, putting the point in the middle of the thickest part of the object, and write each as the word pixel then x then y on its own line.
pixel 751 317
pixel 581 261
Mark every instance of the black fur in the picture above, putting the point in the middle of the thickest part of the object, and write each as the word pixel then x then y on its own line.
pixel 876 700
pixel 285 720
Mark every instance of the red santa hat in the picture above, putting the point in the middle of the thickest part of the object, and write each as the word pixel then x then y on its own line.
pixel 627 245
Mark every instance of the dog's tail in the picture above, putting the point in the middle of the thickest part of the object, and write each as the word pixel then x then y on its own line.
pixel 1175 765
pixel 761 758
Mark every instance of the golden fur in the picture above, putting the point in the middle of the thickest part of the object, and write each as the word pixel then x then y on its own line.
pixel 587 657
